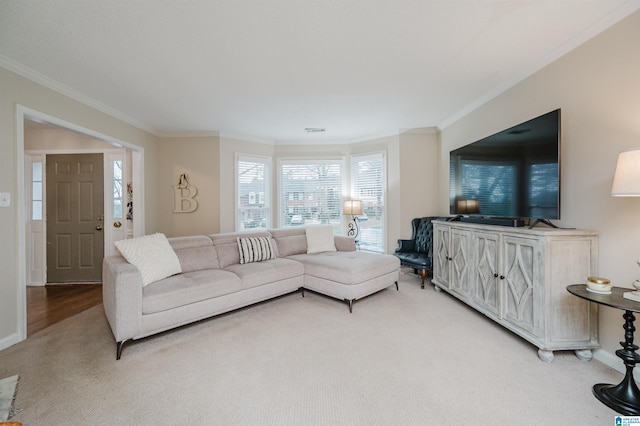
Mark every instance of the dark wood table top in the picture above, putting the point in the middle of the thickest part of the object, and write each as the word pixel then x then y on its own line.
pixel 614 300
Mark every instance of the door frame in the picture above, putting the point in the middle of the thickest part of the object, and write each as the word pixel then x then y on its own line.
pixel 137 177
pixel 108 156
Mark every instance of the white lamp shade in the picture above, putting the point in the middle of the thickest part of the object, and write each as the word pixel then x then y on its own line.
pixel 626 182
pixel 352 207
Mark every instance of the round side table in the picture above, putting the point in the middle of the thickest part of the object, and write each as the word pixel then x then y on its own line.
pixel 625 396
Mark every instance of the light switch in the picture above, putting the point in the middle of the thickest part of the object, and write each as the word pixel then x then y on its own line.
pixel 5 199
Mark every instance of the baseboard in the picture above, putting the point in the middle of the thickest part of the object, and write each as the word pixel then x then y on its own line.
pixel 8 341
pixel 611 360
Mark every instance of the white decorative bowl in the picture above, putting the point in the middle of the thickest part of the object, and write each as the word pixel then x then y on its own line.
pixel 602 285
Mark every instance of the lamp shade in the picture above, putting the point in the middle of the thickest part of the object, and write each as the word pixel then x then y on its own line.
pixel 352 207
pixel 626 182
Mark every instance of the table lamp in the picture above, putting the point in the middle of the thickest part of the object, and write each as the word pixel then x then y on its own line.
pixel 467 206
pixel 353 208
pixel 626 183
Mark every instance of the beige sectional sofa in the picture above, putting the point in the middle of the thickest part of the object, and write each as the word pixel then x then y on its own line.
pixel 213 280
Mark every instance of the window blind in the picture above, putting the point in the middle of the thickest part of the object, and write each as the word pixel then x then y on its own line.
pixel 253 180
pixel 311 192
pixel 368 185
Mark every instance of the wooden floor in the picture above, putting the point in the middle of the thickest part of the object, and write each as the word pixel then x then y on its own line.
pixel 47 305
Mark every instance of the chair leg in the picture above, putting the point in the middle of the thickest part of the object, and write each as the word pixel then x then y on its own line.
pixel 423 275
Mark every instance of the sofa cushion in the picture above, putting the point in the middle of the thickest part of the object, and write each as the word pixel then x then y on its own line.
pixel 196 253
pixel 227 246
pixel 255 249
pixel 347 267
pixel 187 288
pixel 320 239
pixel 152 255
pixel 255 274
pixel 290 240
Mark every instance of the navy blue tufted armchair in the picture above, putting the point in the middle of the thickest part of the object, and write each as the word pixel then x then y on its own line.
pixel 417 252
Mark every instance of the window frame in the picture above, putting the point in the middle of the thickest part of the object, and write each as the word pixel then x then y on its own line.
pixel 379 246
pixel 266 197
pixel 283 210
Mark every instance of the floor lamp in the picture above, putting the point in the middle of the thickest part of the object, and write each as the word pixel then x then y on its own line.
pixel 626 183
pixel 353 208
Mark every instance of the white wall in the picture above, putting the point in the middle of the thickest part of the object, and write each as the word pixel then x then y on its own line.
pixel 418 172
pixel 17 90
pixel 52 139
pixel 199 158
pixel 598 88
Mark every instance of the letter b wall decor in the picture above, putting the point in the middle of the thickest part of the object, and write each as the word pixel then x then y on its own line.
pixel 184 196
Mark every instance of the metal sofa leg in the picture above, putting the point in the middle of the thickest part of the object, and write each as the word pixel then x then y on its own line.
pixel 302 291
pixel 119 346
pixel 397 289
pixel 350 302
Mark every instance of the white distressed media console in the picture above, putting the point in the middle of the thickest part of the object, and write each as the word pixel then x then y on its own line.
pixel 518 278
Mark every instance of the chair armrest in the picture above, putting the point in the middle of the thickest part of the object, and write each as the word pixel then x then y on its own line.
pixel 405 246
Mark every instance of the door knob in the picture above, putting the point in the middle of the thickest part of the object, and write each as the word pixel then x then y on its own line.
pixel 117 224
pixel 99 228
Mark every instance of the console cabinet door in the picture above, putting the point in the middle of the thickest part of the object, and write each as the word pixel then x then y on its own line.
pixel 520 278
pixel 461 261
pixel 486 279
pixel 441 263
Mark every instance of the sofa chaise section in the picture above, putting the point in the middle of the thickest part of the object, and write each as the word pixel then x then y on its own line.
pixel 345 274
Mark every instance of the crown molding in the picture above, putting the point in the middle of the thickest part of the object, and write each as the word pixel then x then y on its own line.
pixel 56 86
pixel 596 28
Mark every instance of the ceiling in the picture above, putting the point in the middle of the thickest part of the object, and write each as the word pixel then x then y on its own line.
pixel 268 69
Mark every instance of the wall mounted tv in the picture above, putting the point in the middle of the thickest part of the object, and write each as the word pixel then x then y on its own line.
pixel 512 174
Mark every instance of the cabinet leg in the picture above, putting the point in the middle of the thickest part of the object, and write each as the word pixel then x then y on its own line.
pixel 584 354
pixel 437 289
pixel 545 355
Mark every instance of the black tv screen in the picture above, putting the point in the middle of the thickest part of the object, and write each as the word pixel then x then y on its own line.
pixel 511 174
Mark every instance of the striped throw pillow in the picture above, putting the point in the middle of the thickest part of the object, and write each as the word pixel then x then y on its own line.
pixel 255 249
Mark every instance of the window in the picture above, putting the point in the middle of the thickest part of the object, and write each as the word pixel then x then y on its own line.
pixel 253 180
pixel 311 192
pixel 117 189
pixel 36 190
pixel 368 182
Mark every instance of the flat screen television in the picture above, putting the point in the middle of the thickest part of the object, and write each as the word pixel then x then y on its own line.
pixel 512 174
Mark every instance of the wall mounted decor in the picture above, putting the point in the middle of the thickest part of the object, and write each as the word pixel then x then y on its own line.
pixel 184 196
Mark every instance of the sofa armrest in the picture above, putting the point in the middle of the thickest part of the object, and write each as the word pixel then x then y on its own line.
pixel 344 243
pixel 405 246
pixel 122 297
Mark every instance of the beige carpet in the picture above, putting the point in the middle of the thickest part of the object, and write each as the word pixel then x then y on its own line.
pixel 413 357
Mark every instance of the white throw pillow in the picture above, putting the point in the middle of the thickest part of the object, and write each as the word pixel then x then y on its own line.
pixel 152 255
pixel 255 249
pixel 320 238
